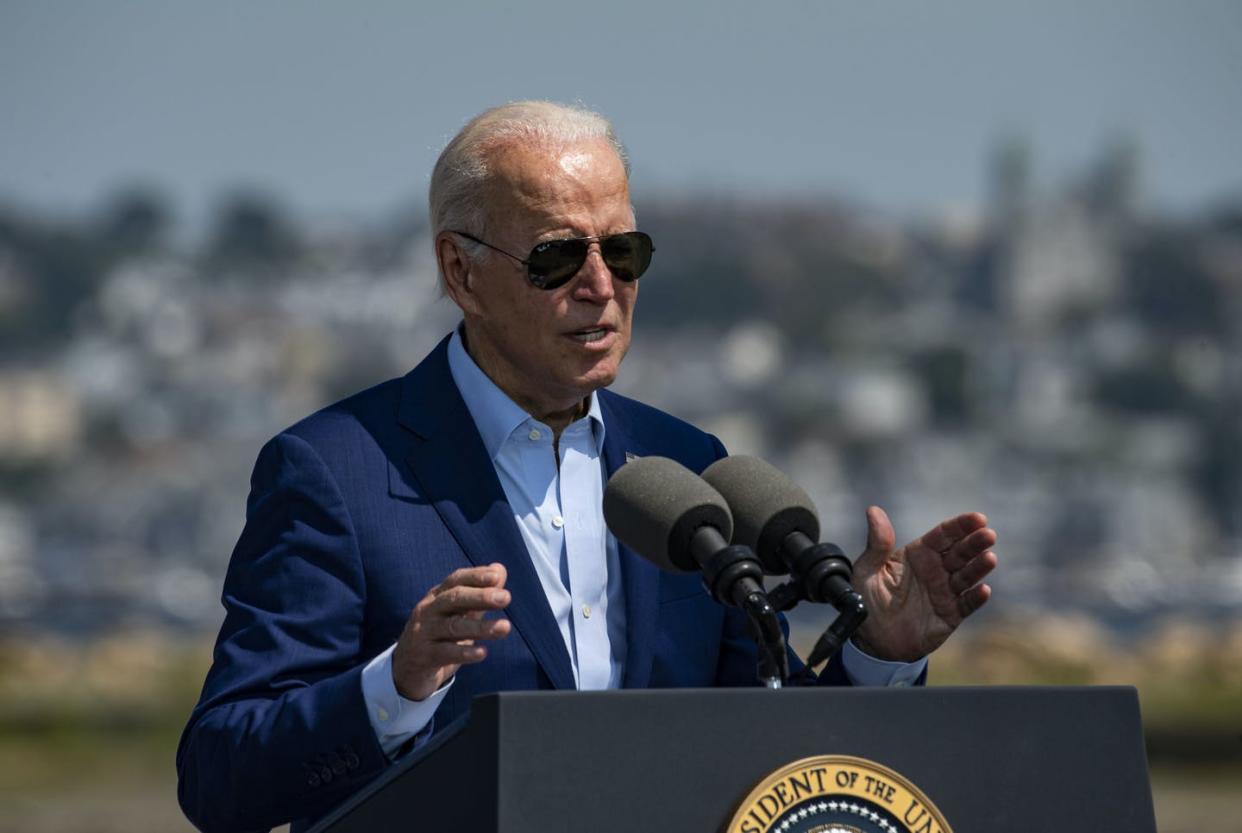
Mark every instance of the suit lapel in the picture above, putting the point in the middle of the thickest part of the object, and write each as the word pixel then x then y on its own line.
pixel 640 578
pixel 458 478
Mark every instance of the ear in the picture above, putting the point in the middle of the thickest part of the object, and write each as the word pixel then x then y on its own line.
pixel 455 267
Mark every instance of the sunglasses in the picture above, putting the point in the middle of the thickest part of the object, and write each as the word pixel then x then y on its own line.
pixel 553 262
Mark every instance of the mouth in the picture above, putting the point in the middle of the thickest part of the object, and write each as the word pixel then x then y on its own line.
pixel 590 335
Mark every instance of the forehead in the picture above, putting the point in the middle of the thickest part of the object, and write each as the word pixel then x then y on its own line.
pixel 578 187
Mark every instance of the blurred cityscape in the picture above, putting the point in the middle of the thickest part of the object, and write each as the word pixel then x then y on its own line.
pixel 1065 361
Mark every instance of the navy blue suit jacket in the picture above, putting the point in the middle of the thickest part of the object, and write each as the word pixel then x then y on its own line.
pixel 353 515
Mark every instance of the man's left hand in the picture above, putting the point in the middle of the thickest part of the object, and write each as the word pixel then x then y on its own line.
pixel 917 595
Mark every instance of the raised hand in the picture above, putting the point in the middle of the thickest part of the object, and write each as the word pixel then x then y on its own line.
pixel 917 595
pixel 440 635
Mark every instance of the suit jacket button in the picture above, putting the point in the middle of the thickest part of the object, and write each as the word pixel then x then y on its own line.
pixel 338 765
pixel 351 760
pixel 312 780
pixel 325 774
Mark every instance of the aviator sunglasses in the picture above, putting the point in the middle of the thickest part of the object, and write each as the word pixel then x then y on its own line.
pixel 553 262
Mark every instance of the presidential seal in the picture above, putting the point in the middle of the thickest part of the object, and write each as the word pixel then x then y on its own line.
pixel 836 794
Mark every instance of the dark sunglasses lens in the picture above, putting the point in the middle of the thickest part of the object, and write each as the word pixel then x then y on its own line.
pixel 627 255
pixel 555 262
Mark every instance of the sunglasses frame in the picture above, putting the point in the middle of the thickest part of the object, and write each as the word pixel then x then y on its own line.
pixel 542 282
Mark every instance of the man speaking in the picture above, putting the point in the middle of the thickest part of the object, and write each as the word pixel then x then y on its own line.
pixel 441 535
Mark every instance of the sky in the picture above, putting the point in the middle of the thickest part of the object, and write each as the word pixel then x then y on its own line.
pixel 340 108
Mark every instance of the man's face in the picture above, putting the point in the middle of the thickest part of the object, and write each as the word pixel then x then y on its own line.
pixel 548 349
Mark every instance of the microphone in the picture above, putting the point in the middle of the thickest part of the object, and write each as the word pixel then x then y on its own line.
pixel 775 517
pixel 673 518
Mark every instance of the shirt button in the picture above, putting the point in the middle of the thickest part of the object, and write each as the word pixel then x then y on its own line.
pixel 558 522
pixel 586 611
pixel 382 714
pixel 534 434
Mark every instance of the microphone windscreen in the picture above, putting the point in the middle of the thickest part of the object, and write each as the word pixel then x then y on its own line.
pixel 654 505
pixel 766 505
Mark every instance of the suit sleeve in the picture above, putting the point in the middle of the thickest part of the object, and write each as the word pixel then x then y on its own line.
pixel 281 729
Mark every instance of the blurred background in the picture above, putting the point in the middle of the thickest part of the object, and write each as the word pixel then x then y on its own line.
pixel 939 257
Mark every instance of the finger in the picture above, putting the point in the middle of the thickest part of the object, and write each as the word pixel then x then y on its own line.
pixel 444 654
pixel 462 599
pixel 493 575
pixel 973 599
pixel 499 572
pixel 975 571
pixel 880 536
pixel 459 628
pixel 973 545
pixel 948 532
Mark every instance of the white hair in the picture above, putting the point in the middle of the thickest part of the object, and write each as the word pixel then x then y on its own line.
pixel 458 180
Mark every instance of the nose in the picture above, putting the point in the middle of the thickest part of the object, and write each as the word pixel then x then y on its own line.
pixel 594 280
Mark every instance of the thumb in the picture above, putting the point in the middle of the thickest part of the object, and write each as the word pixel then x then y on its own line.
pixel 880 536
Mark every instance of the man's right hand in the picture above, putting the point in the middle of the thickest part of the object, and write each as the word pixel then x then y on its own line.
pixel 440 635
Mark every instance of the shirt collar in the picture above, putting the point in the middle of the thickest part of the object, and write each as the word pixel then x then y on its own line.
pixel 495 414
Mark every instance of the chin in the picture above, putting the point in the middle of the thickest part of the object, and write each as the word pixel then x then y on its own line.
pixel 598 377
pixel 594 381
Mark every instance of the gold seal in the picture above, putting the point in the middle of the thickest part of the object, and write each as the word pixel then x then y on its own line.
pixel 837 794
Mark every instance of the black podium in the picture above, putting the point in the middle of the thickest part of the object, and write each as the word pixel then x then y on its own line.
pixel 1017 760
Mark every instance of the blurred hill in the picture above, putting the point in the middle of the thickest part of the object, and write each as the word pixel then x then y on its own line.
pixel 1063 361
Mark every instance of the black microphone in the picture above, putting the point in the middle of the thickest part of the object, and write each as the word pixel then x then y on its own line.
pixel 775 517
pixel 669 515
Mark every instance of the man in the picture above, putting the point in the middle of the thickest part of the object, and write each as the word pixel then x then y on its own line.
pixel 441 535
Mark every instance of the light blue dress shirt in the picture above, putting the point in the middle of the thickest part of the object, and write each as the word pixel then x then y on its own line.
pixel 556 493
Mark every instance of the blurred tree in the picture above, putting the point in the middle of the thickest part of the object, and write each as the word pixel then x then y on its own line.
pixel 252 234
pixel 697 275
pixel 137 220
pixel 1227 219
pixel 945 371
pixel 57 268
pixel 801 267
pixel 1218 473
pixel 1152 387
pixel 1168 287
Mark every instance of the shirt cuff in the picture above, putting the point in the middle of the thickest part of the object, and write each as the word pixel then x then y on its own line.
pixel 394 718
pixel 865 670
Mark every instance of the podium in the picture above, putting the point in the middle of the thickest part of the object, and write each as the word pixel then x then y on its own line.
pixel 1017 760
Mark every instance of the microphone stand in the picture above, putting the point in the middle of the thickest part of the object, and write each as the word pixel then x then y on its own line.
pixel 765 629
pixel 733 576
pixel 821 573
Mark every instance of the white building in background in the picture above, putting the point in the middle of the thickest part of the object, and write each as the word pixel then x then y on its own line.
pixel 40 417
